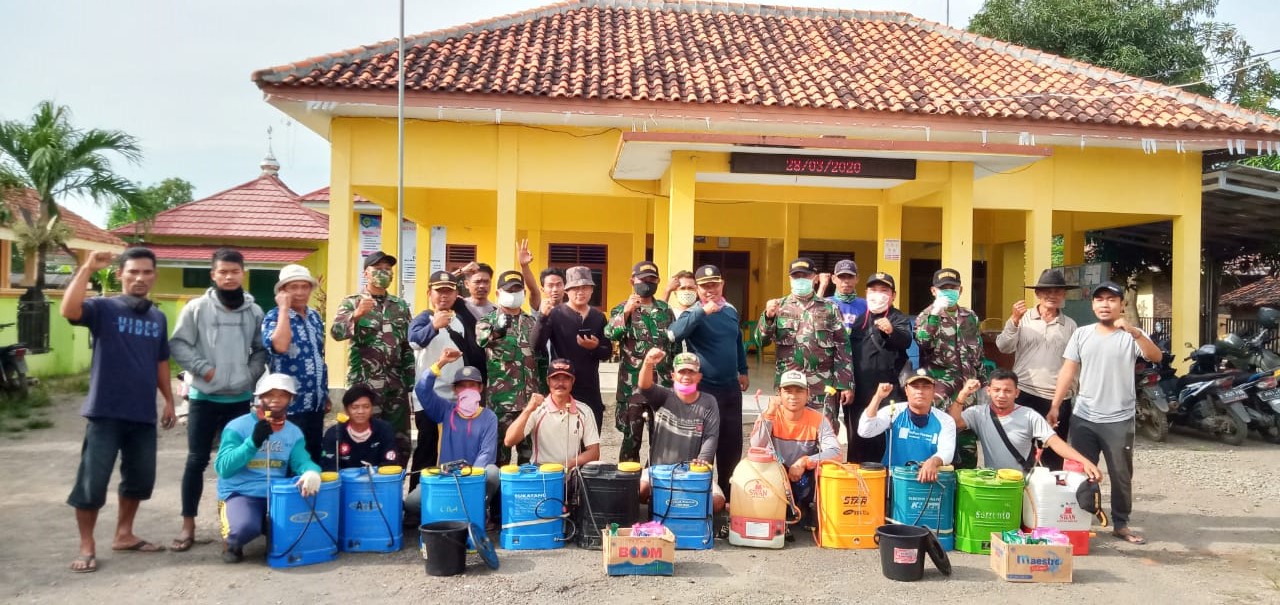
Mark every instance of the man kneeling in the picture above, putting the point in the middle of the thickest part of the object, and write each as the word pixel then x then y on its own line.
pixel 561 432
pixel 255 450
pixel 918 432
pixel 800 437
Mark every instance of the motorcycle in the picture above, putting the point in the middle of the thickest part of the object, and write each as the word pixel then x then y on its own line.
pixel 1152 404
pixel 1205 399
pixel 1261 396
pixel 13 368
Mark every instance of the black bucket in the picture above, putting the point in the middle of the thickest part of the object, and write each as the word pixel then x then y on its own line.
pixel 902 551
pixel 445 544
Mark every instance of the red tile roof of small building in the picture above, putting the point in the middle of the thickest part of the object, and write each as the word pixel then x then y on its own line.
pixel 263 208
pixel 81 228
pixel 704 52
pixel 251 255
pixel 322 195
pixel 1265 291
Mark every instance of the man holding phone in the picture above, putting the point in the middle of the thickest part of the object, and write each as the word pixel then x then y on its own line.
pixel 575 331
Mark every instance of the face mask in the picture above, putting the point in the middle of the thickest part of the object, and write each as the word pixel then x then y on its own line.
pixel 380 278
pixel 801 286
pixel 468 403
pixel 877 302
pixel 846 298
pixel 644 289
pixel 685 389
pixel 231 299
pixel 686 298
pixel 510 300
pixel 952 296
pixel 137 304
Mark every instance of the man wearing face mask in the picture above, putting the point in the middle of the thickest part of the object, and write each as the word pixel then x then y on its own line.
pixel 950 338
pixel 508 335
pixel 682 293
pixel 468 431
pixel 218 341
pixel 637 325
pixel 576 332
pixel 880 338
pixel 811 338
pixel 377 324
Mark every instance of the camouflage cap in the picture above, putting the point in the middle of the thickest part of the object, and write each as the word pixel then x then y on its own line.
pixel 687 361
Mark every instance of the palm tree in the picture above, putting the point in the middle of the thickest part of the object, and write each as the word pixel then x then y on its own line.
pixel 56 160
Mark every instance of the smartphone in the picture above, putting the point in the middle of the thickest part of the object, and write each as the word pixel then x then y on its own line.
pixel 585 332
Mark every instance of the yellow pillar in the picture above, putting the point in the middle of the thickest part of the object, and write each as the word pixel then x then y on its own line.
pixel 680 214
pixel 505 227
pixel 662 236
pixel 790 243
pixel 391 244
pixel 1037 243
pixel 340 276
pixel 1072 246
pixel 531 213
pixel 1186 258
pixel 888 227
pixel 639 232
pixel 957 226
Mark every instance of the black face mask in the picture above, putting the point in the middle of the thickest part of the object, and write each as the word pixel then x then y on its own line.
pixel 231 299
pixel 137 304
pixel 645 289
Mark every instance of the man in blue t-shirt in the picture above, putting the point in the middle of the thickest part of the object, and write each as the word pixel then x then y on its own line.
pixel 130 362
pixel 918 432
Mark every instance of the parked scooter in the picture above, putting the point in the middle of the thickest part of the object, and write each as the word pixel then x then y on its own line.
pixel 1261 396
pixel 13 368
pixel 1152 403
pixel 1205 400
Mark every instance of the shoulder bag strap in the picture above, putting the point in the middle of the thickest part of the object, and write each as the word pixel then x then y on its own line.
pixel 1024 461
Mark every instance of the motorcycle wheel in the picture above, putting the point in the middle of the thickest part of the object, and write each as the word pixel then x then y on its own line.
pixel 17 383
pixel 1237 432
pixel 1156 426
pixel 1272 433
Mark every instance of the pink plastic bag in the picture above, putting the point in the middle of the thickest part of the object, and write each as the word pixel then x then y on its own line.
pixel 649 529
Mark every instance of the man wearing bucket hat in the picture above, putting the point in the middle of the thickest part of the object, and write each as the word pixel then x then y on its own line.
pixel 257 449
pixel 686 421
pixel 800 437
pixel 811 338
pixel 635 326
pixel 1102 355
pixel 293 334
pixel 575 331
pixel 879 339
pixel 560 428
pixel 377 324
pixel 918 431
pixel 508 335
pixel 218 341
pixel 1037 337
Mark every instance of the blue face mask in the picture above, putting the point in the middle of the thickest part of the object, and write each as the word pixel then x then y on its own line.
pixel 801 286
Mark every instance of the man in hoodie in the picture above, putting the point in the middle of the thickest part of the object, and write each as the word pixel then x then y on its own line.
pixel 218 341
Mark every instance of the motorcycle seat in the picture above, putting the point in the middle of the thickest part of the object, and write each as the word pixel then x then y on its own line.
pixel 1189 379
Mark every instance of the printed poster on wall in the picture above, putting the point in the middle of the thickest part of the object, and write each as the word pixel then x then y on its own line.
pixel 370 240
pixel 893 249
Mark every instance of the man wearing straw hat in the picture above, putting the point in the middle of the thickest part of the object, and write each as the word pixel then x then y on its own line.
pixel 1037 338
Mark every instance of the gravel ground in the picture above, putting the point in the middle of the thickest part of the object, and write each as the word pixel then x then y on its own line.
pixel 1211 514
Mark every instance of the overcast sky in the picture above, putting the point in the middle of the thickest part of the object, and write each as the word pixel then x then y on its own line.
pixel 176 74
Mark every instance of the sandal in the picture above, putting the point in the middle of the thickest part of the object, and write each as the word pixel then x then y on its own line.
pixel 84 564
pixel 140 546
pixel 1127 535
pixel 182 544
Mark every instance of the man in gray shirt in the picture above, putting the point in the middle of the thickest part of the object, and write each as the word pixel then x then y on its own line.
pixel 1022 425
pixel 686 422
pixel 1103 355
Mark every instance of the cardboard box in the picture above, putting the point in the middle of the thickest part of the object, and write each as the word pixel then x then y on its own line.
pixel 1030 562
pixel 625 555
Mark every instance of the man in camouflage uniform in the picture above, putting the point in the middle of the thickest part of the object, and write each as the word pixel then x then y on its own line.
pixel 507 335
pixel 810 336
pixel 377 324
pixel 636 326
pixel 950 338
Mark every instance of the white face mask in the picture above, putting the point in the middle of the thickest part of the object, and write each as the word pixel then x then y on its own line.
pixel 877 302
pixel 510 300
pixel 686 298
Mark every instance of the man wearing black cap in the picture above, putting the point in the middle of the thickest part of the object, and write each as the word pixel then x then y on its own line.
pixel 711 330
pixel 1036 338
pixel 377 324
pixel 1103 354
pixel 635 326
pixel 879 339
pixel 950 338
pixel 508 335
pixel 811 338
pixel 576 332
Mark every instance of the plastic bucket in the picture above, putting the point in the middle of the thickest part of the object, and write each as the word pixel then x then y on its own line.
pixel 902 551
pixel 532 505
pixel 371 510
pixel 850 504
pixel 444 546
pixel 931 505
pixel 986 503
pixel 607 493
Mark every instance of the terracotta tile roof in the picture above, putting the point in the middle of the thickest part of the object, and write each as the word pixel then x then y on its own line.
pixel 251 255
pixel 81 228
pixel 262 208
pixel 322 195
pixel 1265 291
pixel 758 55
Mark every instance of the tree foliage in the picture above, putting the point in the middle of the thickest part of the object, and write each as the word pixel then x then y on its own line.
pixel 152 200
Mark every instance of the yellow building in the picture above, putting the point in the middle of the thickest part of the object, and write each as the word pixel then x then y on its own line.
pixel 605 131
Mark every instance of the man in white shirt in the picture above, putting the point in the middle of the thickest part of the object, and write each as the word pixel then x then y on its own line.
pixel 919 432
pixel 562 430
